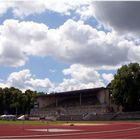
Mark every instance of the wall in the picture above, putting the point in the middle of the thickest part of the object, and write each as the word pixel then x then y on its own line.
pixel 45 101
pixel 103 96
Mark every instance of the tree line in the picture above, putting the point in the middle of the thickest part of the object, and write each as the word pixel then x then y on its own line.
pixel 14 101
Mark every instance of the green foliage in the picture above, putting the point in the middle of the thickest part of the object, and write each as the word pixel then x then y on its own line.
pixel 14 101
pixel 126 87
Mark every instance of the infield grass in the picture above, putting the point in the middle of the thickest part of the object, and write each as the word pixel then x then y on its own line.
pixel 58 122
pixel 30 122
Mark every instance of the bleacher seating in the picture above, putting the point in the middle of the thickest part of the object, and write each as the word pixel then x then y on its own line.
pixel 127 115
pixel 77 112
pixel 72 108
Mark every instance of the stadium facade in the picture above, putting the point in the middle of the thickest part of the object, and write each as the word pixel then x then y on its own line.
pixel 77 105
pixel 89 97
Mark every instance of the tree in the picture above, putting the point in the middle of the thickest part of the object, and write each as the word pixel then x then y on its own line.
pixel 7 98
pixel 126 87
pixel 1 101
pixel 14 101
pixel 30 97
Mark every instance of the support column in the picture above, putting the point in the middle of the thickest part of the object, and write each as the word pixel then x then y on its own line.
pixel 80 99
pixel 56 101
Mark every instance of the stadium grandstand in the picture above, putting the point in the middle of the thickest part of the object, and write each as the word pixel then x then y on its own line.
pixel 86 104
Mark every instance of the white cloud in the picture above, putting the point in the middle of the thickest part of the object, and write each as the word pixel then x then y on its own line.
pixel 18 79
pixel 108 77
pixel 81 77
pixel 25 8
pixel 15 41
pixel 86 11
pixel 134 54
pixel 88 78
pixel 3 85
pixel 82 73
pixel 76 42
pixel 10 54
pixel 24 80
pixel 44 83
pixel 4 7
pixel 73 42
pixel 73 84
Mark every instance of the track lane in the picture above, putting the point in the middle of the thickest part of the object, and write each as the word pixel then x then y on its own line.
pixel 108 131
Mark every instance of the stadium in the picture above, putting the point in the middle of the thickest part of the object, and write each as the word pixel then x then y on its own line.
pixel 80 105
pixel 79 114
pixel 84 104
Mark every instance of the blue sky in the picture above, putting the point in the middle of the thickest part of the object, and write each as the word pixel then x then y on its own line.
pixel 50 46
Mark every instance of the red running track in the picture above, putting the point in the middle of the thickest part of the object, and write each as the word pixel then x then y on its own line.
pixel 112 130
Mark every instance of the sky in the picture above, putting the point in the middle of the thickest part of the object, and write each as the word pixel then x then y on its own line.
pixel 53 46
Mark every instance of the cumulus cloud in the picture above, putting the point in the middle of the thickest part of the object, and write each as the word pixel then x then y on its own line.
pixel 81 77
pixel 123 16
pixel 73 84
pixel 134 54
pixel 82 73
pixel 86 11
pixel 15 41
pixel 81 43
pixel 10 55
pixel 4 7
pixel 76 42
pixel 87 78
pixel 25 8
pixel 24 80
pixel 73 42
pixel 107 77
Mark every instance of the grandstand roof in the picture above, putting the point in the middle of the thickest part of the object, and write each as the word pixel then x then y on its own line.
pixel 75 92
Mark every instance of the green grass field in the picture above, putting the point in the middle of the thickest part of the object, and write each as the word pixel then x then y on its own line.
pixel 45 122
pixel 30 122
pixel 57 122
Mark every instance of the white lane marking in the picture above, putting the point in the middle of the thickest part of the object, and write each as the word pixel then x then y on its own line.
pixel 53 130
pixel 70 134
